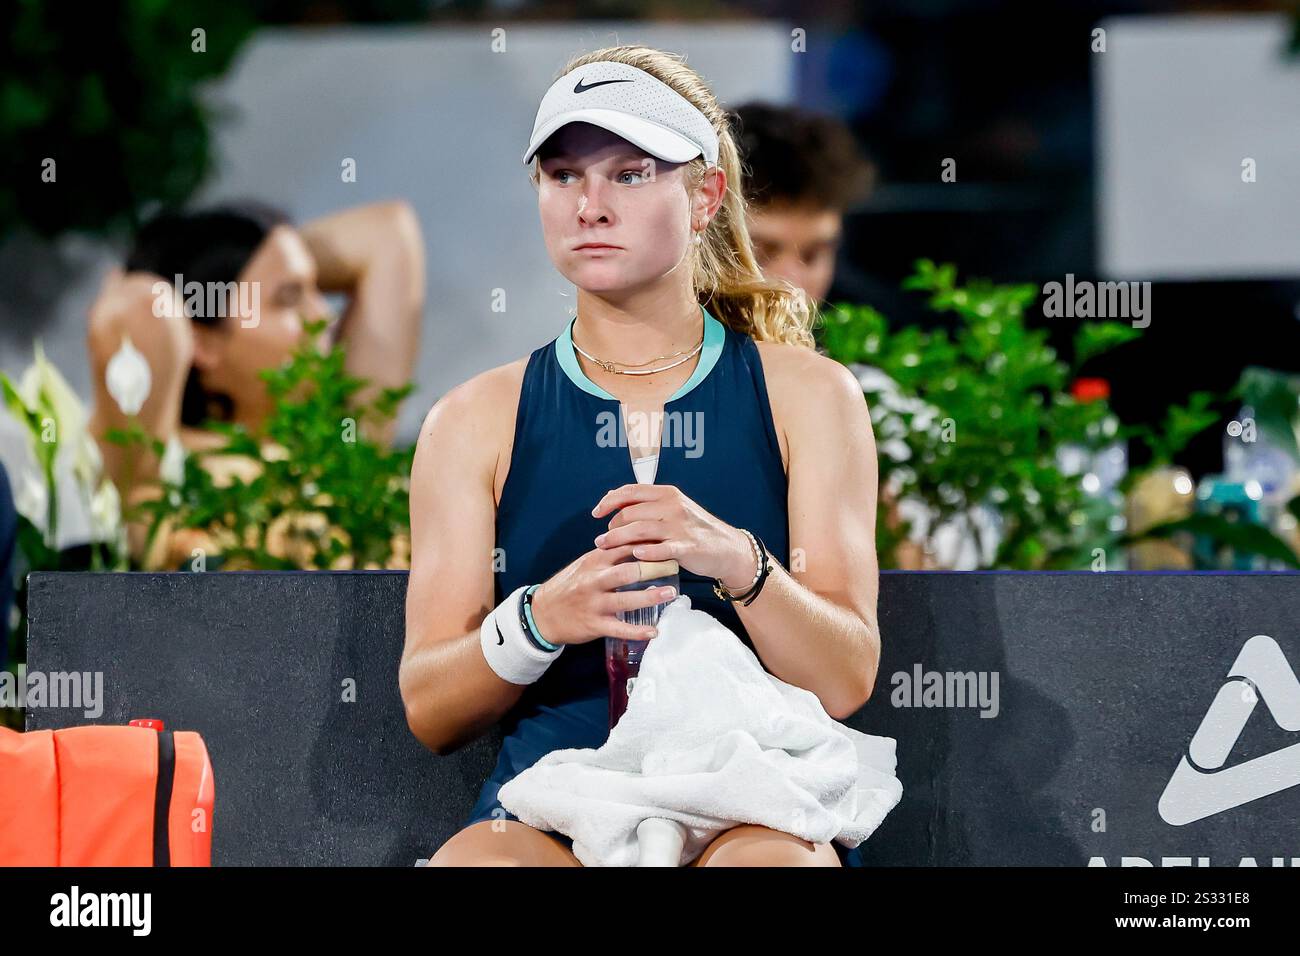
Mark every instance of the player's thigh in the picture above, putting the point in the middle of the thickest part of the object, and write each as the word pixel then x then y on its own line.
pixel 752 845
pixel 502 843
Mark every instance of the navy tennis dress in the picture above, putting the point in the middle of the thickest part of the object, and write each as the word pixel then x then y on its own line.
pixel 719 447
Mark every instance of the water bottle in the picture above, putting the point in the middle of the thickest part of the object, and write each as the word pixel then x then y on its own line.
pixel 1104 468
pixel 1254 459
pixel 1100 469
pixel 1237 502
pixel 1254 456
pixel 623 657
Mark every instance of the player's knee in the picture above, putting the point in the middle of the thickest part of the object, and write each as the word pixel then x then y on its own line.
pixel 750 845
pixel 473 859
pixel 501 843
pixel 475 846
pixel 758 856
pixel 472 856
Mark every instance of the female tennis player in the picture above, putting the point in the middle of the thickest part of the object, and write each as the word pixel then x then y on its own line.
pixel 758 475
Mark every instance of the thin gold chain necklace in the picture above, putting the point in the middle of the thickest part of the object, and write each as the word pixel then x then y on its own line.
pixel 609 366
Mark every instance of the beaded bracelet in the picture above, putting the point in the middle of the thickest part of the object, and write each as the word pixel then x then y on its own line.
pixel 769 565
pixel 760 576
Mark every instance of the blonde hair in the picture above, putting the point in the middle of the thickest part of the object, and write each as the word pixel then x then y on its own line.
pixel 725 275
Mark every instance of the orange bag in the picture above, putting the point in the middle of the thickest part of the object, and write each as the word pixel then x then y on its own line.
pixel 105 796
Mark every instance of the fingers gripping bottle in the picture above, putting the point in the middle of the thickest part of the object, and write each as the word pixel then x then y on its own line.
pixel 623 657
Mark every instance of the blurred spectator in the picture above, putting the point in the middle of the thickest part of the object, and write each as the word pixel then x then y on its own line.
pixel 803 172
pixel 205 362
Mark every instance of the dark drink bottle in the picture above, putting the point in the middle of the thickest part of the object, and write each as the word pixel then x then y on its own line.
pixel 623 657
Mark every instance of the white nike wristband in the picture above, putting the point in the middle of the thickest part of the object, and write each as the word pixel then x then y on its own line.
pixel 508 650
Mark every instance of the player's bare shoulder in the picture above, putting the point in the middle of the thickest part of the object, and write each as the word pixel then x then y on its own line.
pixel 781 371
pixel 805 375
pixel 475 421
pixel 805 387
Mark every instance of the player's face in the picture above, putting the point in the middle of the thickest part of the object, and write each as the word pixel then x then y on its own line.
pixel 596 187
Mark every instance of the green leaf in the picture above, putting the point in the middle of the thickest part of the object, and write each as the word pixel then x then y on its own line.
pixel 1275 398
pixel 1243 538
pixel 1094 338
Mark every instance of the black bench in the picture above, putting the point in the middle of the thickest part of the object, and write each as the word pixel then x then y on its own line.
pixel 1101 681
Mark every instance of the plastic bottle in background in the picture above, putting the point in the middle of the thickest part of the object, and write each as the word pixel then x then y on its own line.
pixel 1261 460
pixel 1100 470
pixel 1238 502
pixel 623 657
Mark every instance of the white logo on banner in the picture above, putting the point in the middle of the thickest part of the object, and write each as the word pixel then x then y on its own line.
pixel 1201 786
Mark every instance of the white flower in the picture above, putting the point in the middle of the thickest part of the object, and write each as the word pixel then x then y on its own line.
pixel 45 393
pixel 896 450
pixel 274 451
pixel 172 467
pixel 128 378
pixel 924 419
pixel 889 403
pixel 902 478
pixel 42 378
pixel 87 462
pixel 105 512
pixel 890 427
pixel 872 379
pixel 32 499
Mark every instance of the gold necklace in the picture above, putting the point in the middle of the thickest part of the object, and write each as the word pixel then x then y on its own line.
pixel 608 366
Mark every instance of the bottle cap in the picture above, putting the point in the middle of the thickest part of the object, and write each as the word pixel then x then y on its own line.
pixel 1090 389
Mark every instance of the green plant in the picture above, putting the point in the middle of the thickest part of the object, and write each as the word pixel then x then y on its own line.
pixel 323 494
pixel 976 417
pixel 1275 398
pixel 100 114
pixel 1181 425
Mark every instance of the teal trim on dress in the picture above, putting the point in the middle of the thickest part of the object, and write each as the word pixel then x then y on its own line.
pixel 715 334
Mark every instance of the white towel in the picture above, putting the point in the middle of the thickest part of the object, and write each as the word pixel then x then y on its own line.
pixel 710 740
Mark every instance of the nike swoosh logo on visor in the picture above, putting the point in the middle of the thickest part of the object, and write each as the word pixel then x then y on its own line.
pixel 501 638
pixel 581 88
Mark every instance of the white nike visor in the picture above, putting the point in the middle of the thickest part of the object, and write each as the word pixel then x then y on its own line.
pixel 629 103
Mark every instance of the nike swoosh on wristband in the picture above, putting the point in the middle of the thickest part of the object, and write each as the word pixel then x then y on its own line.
pixel 580 88
pixel 501 638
